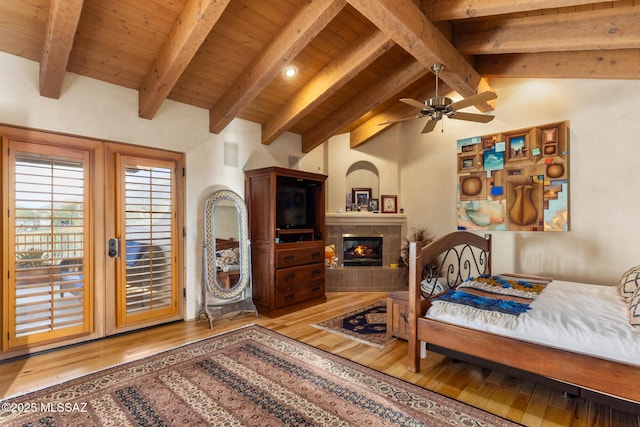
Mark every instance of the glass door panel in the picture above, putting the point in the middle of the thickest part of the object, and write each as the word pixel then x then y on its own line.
pixel 49 288
pixel 147 288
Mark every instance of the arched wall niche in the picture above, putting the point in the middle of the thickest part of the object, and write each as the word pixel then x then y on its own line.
pixel 374 166
pixel 363 174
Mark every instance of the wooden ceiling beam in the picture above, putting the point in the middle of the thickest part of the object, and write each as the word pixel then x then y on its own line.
pixel 187 35
pixel 613 28
pixel 62 24
pixel 403 21
pixel 326 83
pixel 368 99
pixel 298 32
pixel 594 64
pixel 445 10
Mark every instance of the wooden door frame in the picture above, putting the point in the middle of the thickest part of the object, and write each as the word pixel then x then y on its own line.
pixel 112 150
pixel 95 149
pixel 100 158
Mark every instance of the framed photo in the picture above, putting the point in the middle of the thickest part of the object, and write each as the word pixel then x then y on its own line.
pixel 389 204
pixel 373 205
pixel 360 198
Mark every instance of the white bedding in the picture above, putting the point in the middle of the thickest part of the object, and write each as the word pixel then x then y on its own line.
pixel 578 317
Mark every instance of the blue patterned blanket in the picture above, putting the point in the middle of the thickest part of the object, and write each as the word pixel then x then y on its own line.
pixel 497 298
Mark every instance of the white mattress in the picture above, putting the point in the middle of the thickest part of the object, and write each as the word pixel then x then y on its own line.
pixel 578 317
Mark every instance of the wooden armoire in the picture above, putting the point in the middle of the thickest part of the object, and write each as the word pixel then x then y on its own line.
pixel 286 227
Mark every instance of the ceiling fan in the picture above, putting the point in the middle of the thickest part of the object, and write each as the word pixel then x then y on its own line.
pixel 437 106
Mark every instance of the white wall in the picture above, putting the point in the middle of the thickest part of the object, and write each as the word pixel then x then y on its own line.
pixel 383 152
pixel 206 173
pixel 604 153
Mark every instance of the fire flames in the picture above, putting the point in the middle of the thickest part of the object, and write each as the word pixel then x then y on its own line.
pixel 362 251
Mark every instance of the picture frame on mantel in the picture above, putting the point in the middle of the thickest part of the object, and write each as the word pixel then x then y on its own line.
pixel 389 203
pixel 360 198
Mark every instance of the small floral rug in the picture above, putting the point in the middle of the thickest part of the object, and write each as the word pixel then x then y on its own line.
pixel 367 325
pixel 248 377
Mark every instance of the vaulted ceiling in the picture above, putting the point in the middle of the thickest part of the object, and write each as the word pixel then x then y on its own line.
pixel 355 58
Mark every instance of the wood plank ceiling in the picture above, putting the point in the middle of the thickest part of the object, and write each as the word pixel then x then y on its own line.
pixel 354 58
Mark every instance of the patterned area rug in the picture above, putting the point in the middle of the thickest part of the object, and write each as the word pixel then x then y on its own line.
pixel 367 325
pixel 247 377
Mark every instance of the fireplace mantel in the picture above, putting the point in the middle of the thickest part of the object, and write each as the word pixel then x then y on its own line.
pixel 364 218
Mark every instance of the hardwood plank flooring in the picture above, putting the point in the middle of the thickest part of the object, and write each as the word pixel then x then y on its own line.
pixel 518 400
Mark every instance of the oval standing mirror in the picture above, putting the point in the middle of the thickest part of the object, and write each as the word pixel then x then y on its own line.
pixel 226 269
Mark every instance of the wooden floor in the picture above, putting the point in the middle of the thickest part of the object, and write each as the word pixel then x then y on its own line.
pixel 512 398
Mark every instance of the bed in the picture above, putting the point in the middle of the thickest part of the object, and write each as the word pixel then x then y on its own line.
pixel 605 369
pixel 227 262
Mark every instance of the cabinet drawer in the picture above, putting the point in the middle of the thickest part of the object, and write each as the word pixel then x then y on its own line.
pixel 290 295
pixel 299 256
pixel 294 275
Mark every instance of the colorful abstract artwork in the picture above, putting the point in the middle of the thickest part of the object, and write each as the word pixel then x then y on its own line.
pixel 516 180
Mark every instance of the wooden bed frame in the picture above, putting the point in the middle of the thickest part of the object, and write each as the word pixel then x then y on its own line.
pixel 463 254
pixel 222 244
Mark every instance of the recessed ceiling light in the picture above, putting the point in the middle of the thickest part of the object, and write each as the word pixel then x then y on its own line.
pixel 290 71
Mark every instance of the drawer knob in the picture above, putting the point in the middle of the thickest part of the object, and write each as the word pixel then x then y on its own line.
pixel 289 258
pixel 289 298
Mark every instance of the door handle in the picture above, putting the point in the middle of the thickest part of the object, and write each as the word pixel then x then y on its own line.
pixel 113 247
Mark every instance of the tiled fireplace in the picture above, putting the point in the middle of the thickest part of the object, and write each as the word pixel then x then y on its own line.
pixel 360 277
pixel 362 250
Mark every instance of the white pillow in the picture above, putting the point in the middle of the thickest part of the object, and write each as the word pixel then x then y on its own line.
pixel 227 257
pixel 433 287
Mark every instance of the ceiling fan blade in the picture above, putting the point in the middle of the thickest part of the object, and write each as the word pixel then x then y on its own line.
pixel 414 103
pixel 402 119
pixel 471 117
pixel 478 98
pixel 431 125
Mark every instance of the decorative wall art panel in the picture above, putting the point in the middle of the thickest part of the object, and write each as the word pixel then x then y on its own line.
pixel 516 180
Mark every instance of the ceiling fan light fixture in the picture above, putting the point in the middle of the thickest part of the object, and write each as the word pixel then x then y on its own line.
pixel 438 101
pixel 438 106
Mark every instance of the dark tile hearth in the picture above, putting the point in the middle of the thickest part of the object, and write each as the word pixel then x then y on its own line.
pixel 365 279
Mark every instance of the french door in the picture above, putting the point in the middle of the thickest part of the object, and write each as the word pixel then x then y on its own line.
pixel 145 236
pixel 49 292
pixel 91 239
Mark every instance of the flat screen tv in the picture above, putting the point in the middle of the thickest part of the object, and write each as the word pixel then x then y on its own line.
pixel 294 203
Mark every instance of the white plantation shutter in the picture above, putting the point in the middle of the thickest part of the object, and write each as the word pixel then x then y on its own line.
pixel 67 203
pixel 147 258
pixel 49 286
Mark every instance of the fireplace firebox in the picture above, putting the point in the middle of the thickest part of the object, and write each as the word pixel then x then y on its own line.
pixel 362 250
